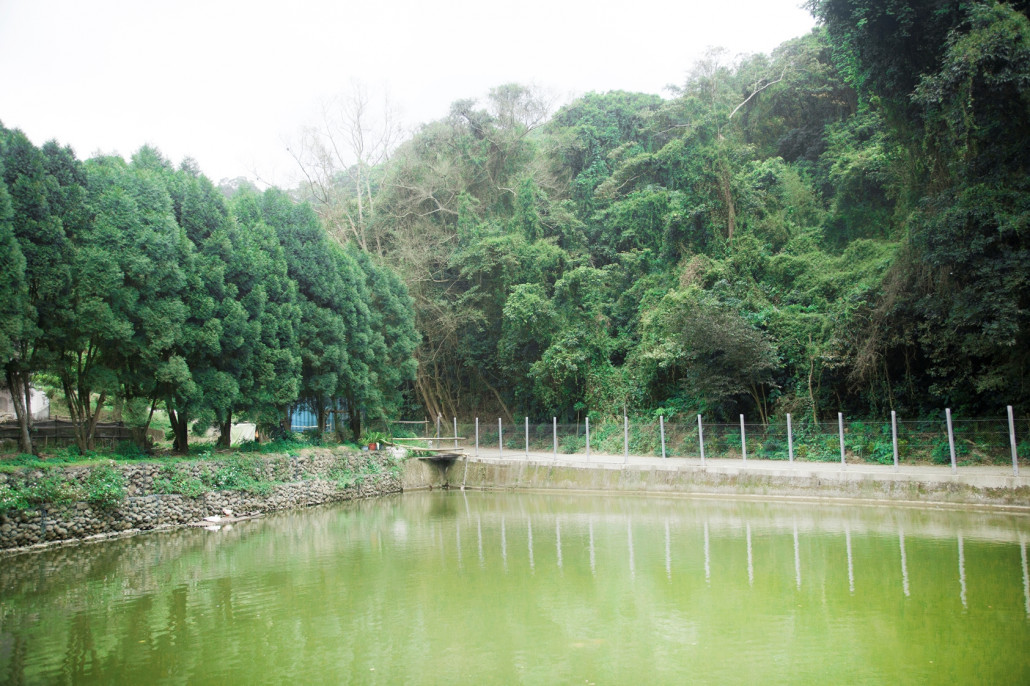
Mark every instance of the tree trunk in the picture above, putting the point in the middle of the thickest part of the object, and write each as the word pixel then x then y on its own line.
pixel 180 426
pixel 27 390
pixel 354 421
pixel 14 384
pixel 94 417
pixel 320 416
pixel 139 433
pixel 225 432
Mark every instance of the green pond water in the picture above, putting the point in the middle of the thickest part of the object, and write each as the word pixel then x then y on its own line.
pixel 502 588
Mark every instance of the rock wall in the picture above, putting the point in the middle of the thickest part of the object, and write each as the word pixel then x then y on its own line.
pixel 311 478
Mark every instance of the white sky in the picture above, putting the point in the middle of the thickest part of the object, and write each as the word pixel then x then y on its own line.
pixel 230 82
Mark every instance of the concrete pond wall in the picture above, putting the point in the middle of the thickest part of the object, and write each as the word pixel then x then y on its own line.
pixel 934 486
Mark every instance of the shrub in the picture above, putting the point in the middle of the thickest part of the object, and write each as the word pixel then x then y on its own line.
pixel 174 479
pixel 240 473
pixel 52 489
pixel 104 486
pixel 941 453
pixel 129 450
pixel 11 498
pixel 571 445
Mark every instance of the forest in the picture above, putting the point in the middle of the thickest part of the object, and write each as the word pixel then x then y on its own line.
pixel 841 225
pixel 135 285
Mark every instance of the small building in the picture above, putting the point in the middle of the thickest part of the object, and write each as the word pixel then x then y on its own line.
pixel 38 401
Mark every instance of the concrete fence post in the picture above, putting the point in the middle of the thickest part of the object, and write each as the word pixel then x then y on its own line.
pixel 743 439
pixel 894 437
pixel 840 432
pixel 477 436
pixel 951 440
pixel 701 438
pixel 588 438
pixel 661 427
pixel 500 438
pixel 455 432
pixel 625 438
pixel 790 440
pixel 527 438
pixel 1012 443
pixel 554 435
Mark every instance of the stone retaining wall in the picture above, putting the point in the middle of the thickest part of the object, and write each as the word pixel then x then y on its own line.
pixel 307 481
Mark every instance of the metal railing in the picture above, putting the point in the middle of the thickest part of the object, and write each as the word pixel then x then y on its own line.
pixel 947 440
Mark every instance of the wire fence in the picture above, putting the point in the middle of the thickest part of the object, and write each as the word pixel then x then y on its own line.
pixel 981 441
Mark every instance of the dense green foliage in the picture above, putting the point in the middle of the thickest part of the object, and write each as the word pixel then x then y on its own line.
pixel 841 225
pixel 133 285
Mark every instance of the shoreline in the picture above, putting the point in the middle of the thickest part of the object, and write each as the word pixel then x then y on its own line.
pixel 987 489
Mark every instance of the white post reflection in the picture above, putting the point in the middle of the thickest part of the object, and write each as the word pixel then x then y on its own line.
pixel 479 534
pixel 593 569
pixel 904 563
pixel 797 556
pixel 668 552
pixel 750 559
pixel 457 535
pixel 1026 576
pixel 557 533
pixel 962 570
pixel 851 565
pixel 504 545
pixel 529 529
pixel 708 566
pixel 632 565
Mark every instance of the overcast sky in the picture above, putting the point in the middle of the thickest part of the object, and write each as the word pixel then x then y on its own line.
pixel 230 82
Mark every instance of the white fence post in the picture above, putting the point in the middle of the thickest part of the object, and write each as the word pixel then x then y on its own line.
pixel 894 437
pixel 554 435
pixel 661 426
pixel 625 438
pixel 951 440
pixel 840 431
pixel 1012 443
pixel 701 438
pixel 743 439
pixel 500 438
pixel 455 432
pixel 790 440
pixel 477 436
pixel 527 438
pixel 588 438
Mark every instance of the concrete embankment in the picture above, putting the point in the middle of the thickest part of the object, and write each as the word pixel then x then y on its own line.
pixel 984 486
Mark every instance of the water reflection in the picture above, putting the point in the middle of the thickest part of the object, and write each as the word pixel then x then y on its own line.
pixel 750 559
pixel 708 566
pixel 962 571
pixel 629 534
pixel 1026 576
pixel 336 592
pixel 904 563
pixel 557 537
pixel 593 559
pixel 851 562
pixel 797 556
pixel 668 552
pixel 529 535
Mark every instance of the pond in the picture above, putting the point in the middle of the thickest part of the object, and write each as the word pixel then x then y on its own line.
pixel 501 588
